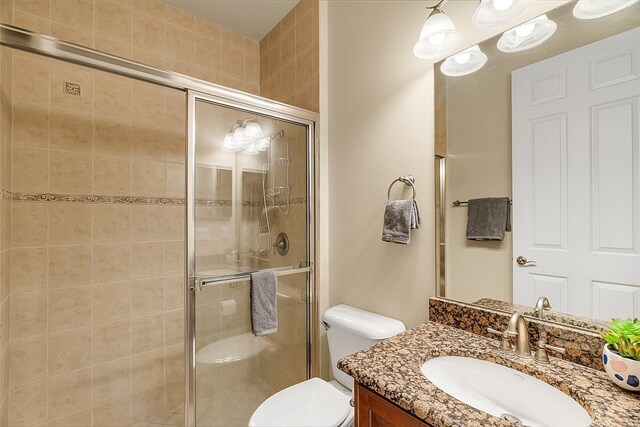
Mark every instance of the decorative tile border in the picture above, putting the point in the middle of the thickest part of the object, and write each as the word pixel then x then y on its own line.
pixel 130 200
pixel 582 347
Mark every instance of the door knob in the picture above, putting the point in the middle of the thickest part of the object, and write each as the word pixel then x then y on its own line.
pixel 522 261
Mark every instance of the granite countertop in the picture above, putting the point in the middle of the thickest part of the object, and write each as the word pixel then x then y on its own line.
pixel 392 369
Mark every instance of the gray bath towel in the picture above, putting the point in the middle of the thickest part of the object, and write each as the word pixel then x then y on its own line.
pixel 488 218
pixel 264 308
pixel 400 217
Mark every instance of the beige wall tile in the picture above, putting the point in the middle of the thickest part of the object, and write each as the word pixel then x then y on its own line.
pixel 147 370
pixel 113 20
pixel 111 175
pixel 28 270
pixel 147 333
pixel 71 34
pixel 111 262
pixel 147 404
pixel 154 8
pixel 28 404
pixel 31 79
pixel 30 125
pixel 69 350
pixel 69 266
pixel 69 172
pixel 111 223
pixel 111 380
pixel 148 32
pixel 31 22
pixel 207 53
pixel 147 105
pixel 147 297
pixel 80 419
pixel 148 178
pixel 147 260
pixel 112 96
pixel 69 393
pixel 233 63
pixel 28 359
pixel 174 327
pixel 104 44
pixel 28 315
pixel 69 223
pixel 30 170
pixel 174 292
pixel 174 223
pixel 112 136
pixel 75 13
pixel 175 176
pixel 69 308
pixel 114 413
pixel 207 29
pixel 174 362
pixel 234 40
pixel 111 302
pixel 179 17
pixel 62 72
pixel 28 224
pixel 41 8
pixel 174 144
pixel 148 143
pixel 180 44
pixel 71 130
pixel 111 341
pixel 174 258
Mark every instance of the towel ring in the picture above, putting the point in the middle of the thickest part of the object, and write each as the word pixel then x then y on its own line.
pixel 406 180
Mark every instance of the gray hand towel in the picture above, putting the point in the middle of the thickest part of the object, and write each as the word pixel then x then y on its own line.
pixel 488 218
pixel 264 308
pixel 400 217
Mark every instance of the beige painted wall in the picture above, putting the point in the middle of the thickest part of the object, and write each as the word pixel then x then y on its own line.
pixel 380 126
pixel 479 149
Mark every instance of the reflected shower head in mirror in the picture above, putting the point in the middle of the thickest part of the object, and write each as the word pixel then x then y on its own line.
pixel 438 36
pixel 528 35
pixel 492 13
pixel 466 62
pixel 592 9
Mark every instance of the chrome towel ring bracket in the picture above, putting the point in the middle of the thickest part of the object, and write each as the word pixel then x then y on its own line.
pixel 406 180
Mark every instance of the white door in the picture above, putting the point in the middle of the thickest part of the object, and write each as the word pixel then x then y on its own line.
pixel 576 179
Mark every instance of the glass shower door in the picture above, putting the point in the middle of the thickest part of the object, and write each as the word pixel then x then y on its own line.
pixel 250 186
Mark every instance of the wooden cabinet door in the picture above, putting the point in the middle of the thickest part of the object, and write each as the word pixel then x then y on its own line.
pixel 373 410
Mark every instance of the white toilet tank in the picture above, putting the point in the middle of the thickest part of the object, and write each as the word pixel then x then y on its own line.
pixel 350 330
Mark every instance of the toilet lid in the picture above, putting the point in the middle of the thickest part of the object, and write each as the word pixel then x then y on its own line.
pixel 310 403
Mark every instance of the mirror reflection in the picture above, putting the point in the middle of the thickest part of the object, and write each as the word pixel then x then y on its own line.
pixel 546 115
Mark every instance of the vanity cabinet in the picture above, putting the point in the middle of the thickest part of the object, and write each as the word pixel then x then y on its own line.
pixel 373 410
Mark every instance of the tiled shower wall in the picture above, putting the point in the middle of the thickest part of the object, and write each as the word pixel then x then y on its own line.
pixel 289 70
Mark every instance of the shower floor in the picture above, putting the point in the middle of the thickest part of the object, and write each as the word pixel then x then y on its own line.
pixel 232 407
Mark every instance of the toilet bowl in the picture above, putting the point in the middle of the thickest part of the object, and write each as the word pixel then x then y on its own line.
pixel 316 402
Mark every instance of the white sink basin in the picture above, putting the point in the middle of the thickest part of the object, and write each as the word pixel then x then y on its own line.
pixel 504 392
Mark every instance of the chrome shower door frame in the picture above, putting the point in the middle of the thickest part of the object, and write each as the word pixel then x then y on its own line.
pixel 253 104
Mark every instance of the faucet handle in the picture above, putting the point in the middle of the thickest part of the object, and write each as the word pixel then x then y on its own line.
pixel 505 344
pixel 541 356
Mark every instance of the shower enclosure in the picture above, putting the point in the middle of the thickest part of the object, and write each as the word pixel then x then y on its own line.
pixel 139 202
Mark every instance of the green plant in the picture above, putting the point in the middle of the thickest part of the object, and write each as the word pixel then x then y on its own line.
pixel 624 337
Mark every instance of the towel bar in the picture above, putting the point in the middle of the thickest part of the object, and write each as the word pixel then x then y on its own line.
pixel 457 203
pixel 406 180
pixel 202 282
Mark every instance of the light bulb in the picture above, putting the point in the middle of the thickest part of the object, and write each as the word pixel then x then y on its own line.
pixel 436 39
pixel 525 29
pixel 462 58
pixel 502 4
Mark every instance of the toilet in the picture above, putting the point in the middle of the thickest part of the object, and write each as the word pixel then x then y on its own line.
pixel 316 402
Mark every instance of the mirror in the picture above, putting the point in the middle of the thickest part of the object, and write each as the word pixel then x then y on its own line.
pixel 564 117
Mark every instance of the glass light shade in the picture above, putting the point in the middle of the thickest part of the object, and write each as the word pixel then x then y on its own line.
pixel 252 131
pixel 437 38
pixel 238 135
pixel 528 35
pixel 492 13
pixel 466 62
pixel 592 9
pixel 229 144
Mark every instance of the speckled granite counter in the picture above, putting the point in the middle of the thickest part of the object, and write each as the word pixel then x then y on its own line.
pixel 392 369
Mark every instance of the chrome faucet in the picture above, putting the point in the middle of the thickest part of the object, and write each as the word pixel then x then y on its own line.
pixel 542 305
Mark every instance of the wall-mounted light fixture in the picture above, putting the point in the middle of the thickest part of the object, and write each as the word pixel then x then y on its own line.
pixel 246 136
pixel 525 36
pixel 592 9
pixel 438 37
pixel 466 62
pixel 492 13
